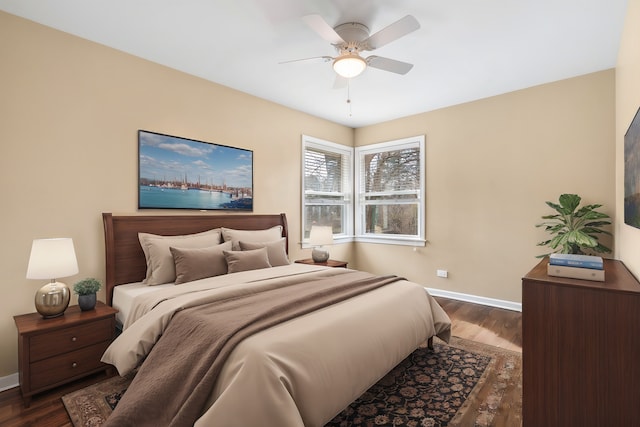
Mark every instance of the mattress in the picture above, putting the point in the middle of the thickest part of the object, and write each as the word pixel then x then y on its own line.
pixel 124 295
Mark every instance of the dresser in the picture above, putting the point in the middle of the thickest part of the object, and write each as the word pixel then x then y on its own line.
pixel 581 349
pixel 56 351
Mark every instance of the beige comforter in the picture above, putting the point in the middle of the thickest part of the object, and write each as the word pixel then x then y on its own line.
pixel 303 371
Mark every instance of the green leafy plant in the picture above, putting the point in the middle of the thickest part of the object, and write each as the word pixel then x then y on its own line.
pixel 574 230
pixel 87 286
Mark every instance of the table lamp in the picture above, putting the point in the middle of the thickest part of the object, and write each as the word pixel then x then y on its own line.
pixel 51 259
pixel 319 236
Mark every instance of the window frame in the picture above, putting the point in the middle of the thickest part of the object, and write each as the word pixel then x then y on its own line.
pixel 360 196
pixel 348 187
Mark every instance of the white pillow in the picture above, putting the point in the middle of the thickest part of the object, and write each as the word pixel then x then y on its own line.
pixel 160 264
pixel 251 236
pixel 275 250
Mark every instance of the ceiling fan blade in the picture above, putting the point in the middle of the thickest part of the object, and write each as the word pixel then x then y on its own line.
pixel 323 58
pixel 324 30
pixel 340 82
pixel 392 32
pixel 387 64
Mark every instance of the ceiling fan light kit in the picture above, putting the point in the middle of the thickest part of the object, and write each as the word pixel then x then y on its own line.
pixel 349 65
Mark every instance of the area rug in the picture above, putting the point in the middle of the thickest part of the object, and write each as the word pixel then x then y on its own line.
pixel 463 383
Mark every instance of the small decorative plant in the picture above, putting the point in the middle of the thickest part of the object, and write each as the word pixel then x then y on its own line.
pixel 87 286
pixel 574 230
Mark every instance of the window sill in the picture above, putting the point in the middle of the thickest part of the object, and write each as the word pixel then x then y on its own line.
pixel 406 241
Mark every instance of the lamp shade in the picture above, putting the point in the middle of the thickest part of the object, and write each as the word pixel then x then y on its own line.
pixel 349 66
pixel 321 235
pixel 52 259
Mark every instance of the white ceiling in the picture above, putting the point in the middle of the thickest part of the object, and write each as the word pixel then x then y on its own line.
pixel 465 49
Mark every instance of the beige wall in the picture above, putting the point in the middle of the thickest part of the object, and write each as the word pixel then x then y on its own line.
pixel 491 165
pixel 627 103
pixel 69 112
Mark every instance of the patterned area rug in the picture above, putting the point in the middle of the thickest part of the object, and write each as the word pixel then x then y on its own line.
pixel 464 384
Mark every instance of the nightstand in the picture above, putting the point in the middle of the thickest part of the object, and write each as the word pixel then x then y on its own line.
pixel 52 352
pixel 329 263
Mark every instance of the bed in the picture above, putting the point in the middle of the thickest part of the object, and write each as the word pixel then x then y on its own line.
pixel 285 344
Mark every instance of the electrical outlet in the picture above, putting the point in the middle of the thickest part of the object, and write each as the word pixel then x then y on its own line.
pixel 442 273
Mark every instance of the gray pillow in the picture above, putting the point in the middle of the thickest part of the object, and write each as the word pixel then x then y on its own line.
pixel 275 251
pixel 246 260
pixel 198 263
pixel 160 266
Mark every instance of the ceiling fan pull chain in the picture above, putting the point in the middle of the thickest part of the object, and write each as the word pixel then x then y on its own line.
pixel 349 97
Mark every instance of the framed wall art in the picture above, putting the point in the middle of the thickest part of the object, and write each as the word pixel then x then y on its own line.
pixel 182 173
pixel 632 173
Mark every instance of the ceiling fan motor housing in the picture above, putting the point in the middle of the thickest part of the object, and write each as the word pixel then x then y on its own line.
pixel 353 33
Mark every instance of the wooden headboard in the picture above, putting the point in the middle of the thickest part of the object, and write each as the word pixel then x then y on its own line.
pixel 125 262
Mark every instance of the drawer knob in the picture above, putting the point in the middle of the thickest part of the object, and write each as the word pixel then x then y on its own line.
pixel 74 339
pixel 74 365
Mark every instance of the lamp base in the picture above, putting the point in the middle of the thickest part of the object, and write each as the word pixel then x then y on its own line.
pixel 319 255
pixel 52 299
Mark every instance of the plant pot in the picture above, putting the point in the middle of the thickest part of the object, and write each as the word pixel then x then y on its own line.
pixel 87 302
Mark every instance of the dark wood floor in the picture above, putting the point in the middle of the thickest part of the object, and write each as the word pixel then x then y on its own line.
pixel 502 328
pixel 489 325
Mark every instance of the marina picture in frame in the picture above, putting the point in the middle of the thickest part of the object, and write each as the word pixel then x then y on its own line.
pixel 632 173
pixel 181 173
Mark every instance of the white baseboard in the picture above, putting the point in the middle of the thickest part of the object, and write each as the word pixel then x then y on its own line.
pixel 10 381
pixel 492 302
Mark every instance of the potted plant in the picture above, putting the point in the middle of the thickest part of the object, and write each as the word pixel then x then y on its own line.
pixel 86 290
pixel 574 230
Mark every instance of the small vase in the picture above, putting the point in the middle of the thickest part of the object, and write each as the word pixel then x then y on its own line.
pixel 87 302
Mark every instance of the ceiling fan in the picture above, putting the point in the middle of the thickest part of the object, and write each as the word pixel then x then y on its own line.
pixel 352 38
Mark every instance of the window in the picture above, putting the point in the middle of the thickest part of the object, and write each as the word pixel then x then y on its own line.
pixel 327 187
pixel 390 192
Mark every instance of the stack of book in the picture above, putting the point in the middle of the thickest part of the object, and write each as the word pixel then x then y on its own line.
pixel 585 267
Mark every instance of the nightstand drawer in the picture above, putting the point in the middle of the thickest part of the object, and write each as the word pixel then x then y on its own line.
pixel 61 368
pixel 69 339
